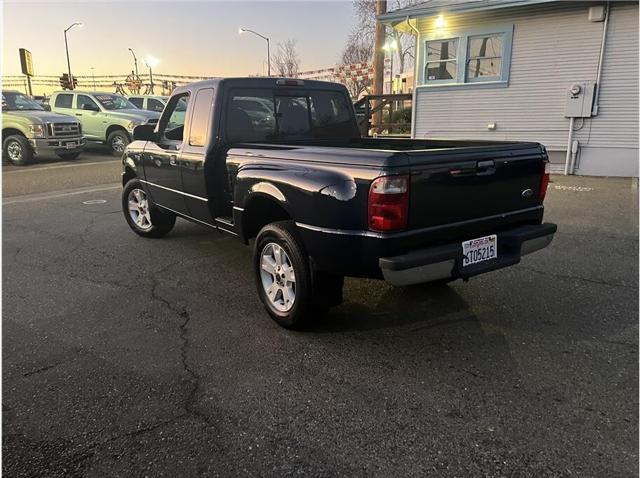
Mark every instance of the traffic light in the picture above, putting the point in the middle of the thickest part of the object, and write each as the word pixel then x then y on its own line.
pixel 66 84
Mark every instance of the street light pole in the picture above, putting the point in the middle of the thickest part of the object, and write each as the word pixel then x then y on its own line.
pixel 391 46
pixel 150 62
pixel 66 47
pixel 135 62
pixel 242 30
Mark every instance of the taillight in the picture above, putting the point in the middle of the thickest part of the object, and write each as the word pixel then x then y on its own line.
pixel 389 203
pixel 544 181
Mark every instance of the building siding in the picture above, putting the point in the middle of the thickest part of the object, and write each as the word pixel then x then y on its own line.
pixel 554 46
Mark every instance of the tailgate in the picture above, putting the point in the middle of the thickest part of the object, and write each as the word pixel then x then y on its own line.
pixel 463 184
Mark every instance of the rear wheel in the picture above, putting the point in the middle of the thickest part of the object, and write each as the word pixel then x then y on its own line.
pixel 144 217
pixel 290 290
pixel 117 141
pixel 17 150
pixel 282 273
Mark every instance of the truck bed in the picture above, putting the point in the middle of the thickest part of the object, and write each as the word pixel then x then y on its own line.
pixel 450 181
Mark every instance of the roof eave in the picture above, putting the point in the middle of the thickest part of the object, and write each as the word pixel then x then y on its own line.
pixel 405 14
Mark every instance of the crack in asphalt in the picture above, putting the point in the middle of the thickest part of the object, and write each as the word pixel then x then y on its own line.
pixel 182 312
pixel 585 279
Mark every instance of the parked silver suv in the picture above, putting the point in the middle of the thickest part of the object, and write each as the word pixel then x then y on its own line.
pixel 108 118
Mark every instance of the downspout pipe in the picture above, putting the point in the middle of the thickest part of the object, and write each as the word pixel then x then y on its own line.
pixel 605 26
pixel 567 159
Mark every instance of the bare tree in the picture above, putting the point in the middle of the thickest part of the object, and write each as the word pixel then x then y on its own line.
pixel 366 17
pixel 356 51
pixel 286 59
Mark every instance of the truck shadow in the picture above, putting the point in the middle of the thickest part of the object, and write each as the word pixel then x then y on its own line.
pixel 392 307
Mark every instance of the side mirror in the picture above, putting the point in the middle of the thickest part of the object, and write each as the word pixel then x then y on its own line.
pixel 145 132
pixel 46 107
pixel 89 107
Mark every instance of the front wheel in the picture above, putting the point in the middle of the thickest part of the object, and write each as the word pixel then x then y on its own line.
pixel 117 141
pixel 144 217
pixel 17 150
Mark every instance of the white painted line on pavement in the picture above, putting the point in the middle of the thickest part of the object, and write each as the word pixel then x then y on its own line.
pixel 32 198
pixel 60 166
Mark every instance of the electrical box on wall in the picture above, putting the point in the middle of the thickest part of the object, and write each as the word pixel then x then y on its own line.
pixel 579 100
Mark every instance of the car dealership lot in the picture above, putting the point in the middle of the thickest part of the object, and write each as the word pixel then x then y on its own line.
pixel 128 356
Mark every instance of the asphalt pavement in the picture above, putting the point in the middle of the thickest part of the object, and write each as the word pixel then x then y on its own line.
pixel 125 356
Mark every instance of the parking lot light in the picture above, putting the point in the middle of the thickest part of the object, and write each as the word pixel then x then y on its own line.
pixel 243 30
pixel 151 62
pixel 66 47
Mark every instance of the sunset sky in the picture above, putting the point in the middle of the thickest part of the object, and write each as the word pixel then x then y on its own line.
pixel 189 38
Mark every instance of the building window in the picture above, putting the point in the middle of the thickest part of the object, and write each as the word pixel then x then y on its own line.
pixel 485 57
pixel 442 59
pixel 468 57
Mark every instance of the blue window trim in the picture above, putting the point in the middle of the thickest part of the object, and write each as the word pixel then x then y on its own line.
pixel 462 57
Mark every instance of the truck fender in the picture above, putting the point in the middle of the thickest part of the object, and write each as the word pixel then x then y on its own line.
pixel 266 189
pixel 130 167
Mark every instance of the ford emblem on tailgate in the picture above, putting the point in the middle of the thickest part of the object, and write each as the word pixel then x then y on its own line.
pixel 527 193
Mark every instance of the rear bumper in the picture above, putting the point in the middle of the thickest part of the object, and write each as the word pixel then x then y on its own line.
pixel 57 145
pixel 445 261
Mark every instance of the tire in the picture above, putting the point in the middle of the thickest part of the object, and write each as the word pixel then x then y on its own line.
pixel 153 222
pixel 294 282
pixel 117 141
pixel 17 150
pixel 69 156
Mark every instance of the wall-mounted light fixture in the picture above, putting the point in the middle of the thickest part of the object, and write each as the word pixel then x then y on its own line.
pixel 439 21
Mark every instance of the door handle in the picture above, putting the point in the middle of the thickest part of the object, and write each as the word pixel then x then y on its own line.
pixel 486 168
pixel 78 114
pixel 173 160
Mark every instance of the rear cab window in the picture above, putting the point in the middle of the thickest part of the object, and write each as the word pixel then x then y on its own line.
pixel 64 100
pixel 267 114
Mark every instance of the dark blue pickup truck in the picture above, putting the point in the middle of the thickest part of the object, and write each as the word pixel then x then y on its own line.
pixel 281 161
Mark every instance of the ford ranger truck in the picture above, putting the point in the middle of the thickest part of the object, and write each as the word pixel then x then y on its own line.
pixel 280 162
pixel 107 118
pixel 29 131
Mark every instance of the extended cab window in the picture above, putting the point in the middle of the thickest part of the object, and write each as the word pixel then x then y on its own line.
pixel 268 115
pixel 201 118
pixel 172 120
pixel 86 100
pixel 137 102
pixel 64 101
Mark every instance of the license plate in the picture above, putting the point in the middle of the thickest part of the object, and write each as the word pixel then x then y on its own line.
pixel 479 250
pixel 70 145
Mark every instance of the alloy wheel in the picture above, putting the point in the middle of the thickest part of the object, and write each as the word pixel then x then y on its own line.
pixel 278 277
pixel 139 209
pixel 14 151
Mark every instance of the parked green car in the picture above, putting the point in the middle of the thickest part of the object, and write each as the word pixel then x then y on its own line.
pixel 28 130
pixel 107 118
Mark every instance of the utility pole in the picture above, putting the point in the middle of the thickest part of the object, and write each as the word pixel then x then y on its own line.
pixel 378 57
pixel 93 77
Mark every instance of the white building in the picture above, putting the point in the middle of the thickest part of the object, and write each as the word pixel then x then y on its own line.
pixel 503 69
